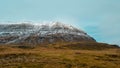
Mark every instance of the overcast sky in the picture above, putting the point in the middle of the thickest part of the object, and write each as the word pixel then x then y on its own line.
pixel 99 18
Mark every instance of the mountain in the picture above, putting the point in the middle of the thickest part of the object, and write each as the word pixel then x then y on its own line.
pixel 41 33
pixel 53 44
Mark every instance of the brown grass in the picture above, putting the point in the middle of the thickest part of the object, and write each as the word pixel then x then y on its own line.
pixel 59 56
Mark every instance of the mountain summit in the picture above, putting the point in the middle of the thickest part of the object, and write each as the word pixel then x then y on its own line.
pixel 41 33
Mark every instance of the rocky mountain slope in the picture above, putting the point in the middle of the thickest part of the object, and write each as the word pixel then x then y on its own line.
pixel 41 33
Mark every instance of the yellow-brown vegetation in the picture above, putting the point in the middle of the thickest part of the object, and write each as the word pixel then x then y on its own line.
pixel 60 55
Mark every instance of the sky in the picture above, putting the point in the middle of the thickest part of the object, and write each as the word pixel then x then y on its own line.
pixel 99 18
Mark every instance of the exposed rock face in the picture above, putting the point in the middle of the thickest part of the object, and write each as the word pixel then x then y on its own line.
pixel 36 34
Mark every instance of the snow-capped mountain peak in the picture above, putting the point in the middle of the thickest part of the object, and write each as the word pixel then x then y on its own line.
pixel 49 32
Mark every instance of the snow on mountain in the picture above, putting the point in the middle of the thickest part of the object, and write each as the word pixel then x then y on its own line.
pixel 40 33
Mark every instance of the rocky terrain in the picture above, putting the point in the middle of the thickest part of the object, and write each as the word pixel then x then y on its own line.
pixel 41 33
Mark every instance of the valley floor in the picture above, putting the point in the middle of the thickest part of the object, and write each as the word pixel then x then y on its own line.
pixel 42 57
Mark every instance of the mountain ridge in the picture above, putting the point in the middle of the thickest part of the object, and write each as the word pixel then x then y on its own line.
pixel 39 33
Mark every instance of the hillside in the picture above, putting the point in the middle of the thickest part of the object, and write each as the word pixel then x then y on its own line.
pixel 60 55
pixel 42 33
pixel 54 45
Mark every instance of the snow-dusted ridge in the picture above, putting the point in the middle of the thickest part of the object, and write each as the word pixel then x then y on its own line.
pixel 21 31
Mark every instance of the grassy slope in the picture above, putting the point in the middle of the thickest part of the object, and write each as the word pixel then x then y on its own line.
pixel 61 55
